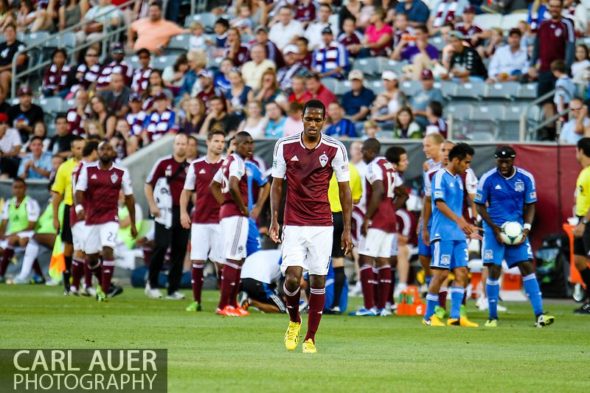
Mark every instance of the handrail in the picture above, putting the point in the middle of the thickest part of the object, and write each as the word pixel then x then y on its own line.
pixel 524 117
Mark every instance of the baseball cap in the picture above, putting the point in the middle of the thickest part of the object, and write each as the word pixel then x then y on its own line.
pixel 327 30
pixel 355 74
pixel 504 152
pixel 24 91
pixel 3 118
pixel 426 75
pixel 134 98
pixel 117 48
pixel 389 76
pixel 291 49
pixel 206 74
pixel 261 28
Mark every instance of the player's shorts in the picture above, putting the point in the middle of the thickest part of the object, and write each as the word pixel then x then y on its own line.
pixel 66 228
pixel 337 251
pixel 253 244
pixel 261 292
pixel 79 235
pixel 308 247
pixel 100 236
pixel 206 243
pixel 449 254
pixel 377 244
pixel 582 244
pixel 423 249
pixel 494 253
pixel 357 223
pixel 234 231
pixel 394 245
pixel 21 235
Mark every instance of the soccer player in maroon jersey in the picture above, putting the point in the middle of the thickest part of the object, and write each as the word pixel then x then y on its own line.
pixel 307 161
pixel 205 229
pixel 378 229
pixel 230 188
pixel 97 198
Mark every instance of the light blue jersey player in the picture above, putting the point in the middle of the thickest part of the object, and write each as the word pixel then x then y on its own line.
pixel 257 184
pixel 507 193
pixel 448 236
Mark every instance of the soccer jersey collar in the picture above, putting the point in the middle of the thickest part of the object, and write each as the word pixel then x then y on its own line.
pixel 509 177
pixel 305 147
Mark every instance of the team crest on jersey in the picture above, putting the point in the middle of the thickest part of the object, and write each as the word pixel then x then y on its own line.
pixel 323 159
pixel 488 254
pixel 519 186
pixel 114 178
pixel 445 260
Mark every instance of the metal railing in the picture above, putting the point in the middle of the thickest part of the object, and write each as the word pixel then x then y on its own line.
pixel 527 133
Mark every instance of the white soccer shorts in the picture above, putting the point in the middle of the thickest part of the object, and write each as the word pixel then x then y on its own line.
pixel 309 247
pixel 101 235
pixel 20 235
pixel 79 235
pixel 377 244
pixel 235 236
pixel 206 242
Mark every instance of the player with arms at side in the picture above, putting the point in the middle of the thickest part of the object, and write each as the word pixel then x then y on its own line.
pixel 307 161
pixel 582 230
pixel 97 202
pixel 448 237
pixel 507 193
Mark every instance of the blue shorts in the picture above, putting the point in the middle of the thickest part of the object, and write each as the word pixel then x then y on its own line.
pixel 423 249
pixel 253 243
pixel 449 254
pixel 494 252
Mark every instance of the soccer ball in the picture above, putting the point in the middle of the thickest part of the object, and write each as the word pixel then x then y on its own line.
pixel 511 232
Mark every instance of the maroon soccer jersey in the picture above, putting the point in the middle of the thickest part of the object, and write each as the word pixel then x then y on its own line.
pixel 141 80
pixel 123 68
pixel 469 187
pixel 198 179
pixel 553 37
pixel 168 167
pixel 75 121
pixel 234 166
pixel 381 169
pixel 56 79
pixel 308 173
pixel 407 223
pixel 101 189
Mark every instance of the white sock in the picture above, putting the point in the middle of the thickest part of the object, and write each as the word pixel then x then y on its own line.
pixel 31 253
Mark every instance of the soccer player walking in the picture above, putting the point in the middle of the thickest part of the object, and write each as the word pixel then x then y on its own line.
pixel 97 202
pixel 582 230
pixel 307 161
pixel 507 193
pixel 448 237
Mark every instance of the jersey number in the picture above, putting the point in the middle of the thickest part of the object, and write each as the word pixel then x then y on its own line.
pixel 390 184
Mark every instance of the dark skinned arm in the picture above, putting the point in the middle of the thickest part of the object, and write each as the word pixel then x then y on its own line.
pixel 373 204
pixel 236 195
pixel 528 216
pixel 216 191
pixel 346 202
pixel 3 225
pixel 262 197
pixel 482 210
pixel 130 203
pixel 276 192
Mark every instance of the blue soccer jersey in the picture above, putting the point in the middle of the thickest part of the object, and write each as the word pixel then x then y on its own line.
pixel 506 197
pixel 254 177
pixel 447 188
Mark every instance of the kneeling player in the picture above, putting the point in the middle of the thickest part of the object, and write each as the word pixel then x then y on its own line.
pixel 260 273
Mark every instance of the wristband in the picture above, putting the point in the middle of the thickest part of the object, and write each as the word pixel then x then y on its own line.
pixel 79 209
pixel 527 226
pixel 584 221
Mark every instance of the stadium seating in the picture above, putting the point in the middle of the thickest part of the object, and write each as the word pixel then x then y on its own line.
pixel 507 90
pixel 178 44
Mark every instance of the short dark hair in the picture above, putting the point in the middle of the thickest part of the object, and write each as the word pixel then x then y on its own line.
pixel 211 134
pixel 89 148
pixel 559 66
pixel 76 138
pixel 436 108
pixel 241 136
pixel 372 144
pixel 192 138
pixel 461 151
pixel 36 138
pixel 584 145
pixel 516 31
pixel 315 104
pixel 222 21
pixel 143 51
pixel 394 154
pixel 156 3
pixel 422 28
pixel 19 180
pixel 61 115
pixel 60 50
pixel 328 6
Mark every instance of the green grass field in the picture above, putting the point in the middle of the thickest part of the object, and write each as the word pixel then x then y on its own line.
pixel 209 353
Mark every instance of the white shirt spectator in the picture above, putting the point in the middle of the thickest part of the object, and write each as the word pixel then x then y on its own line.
pixel 282 35
pixel 507 61
pixel 581 71
pixel 314 33
pixel 568 131
pixel 10 140
pixel 252 72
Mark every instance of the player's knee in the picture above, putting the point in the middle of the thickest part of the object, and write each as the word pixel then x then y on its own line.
pixel 494 271
pixel 107 253
pixel 526 268
pixel 291 282
pixel 460 276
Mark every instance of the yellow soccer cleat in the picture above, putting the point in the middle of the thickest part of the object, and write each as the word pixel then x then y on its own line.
pixel 491 323
pixel 292 335
pixel 309 346
pixel 463 322
pixel 434 322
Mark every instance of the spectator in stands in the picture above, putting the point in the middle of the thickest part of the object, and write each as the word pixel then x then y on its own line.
pixel 117 96
pixel 237 52
pixel 239 94
pixel 10 144
pixel 117 65
pixel 318 91
pixel 415 48
pixel 40 130
pixel 155 87
pixel 94 130
pixel 565 89
pixel 254 123
pixel 396 97
pixel 275 128
pixel 220 28
pixel 293 68
pixel 44 16
pixel 192 149
pixel 102 115
pixel 87 73
pixel 405 126
pixel 370 129
pixel 331 58
pixel 272 51
pixel 24 115
pixel 304 53
pixel 316 29
pixel 197 61
pixel 380 112
pixel 338 125
pixel 141 75
pixel 578 124
pixel 473 33
pixel 219 119
pixel 285 29
pixel 537 13
pixel 419 101
pixel 401 28
pixel 6 14
pixel 56 76
pixel 436 122
pixel 445 11
pixel 60 143
pixel 161 121
pixel 581 67
pixel 351 9
pixel 77 115
pixel 357 102
pixel 495 40
pixel 466 64
pixel 350 38
pixel 294 122
pixel 198 40
pixel 9 49
pixel 4 106
pixel 367 10
pixel 98 20
pixel 378 36
pixel 221 79
pixel 510 61
pixel 576 11
pixel 135 119
pixel 269 89
pixel 173 75
pixel 305 12
pixel 252 71
pixel 153 32
pixel 298 92
pixel 25 16
pixel 208 89
pixel 71 12
pixel 416 11
pixel 37 163
pixel 194 116
pixel 243 21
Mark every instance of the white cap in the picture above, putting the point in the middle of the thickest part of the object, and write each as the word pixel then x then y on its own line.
pixel 355 74
pixel 291 49
pixel 389 76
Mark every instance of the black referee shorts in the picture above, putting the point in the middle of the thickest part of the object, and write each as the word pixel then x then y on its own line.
pixel 66 228
pixel 582 244
pixel 337 251
pixel 261 292
pixel 546 83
